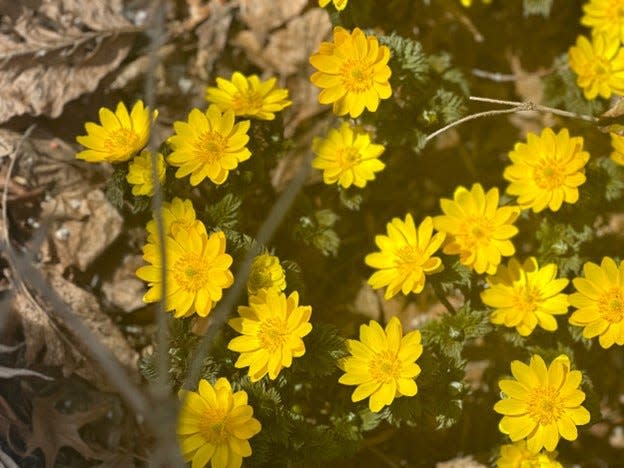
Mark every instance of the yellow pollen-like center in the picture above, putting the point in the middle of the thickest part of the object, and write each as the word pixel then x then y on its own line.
pixel 384 367
pixel 601 68
pixel 122 140
pixel 210 147
pixel 611 305
pixel 544 405
pixel 190 273
pixel 527 298
pixel 349 157
pixel 247 102
pixel 408 258
pixel 260 278
pixel 475 232
pixel 357 75
pixel 213 426
pixel 273 334
pixel 549 174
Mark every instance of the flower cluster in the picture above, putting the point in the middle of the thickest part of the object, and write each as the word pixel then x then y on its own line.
pixel 517 455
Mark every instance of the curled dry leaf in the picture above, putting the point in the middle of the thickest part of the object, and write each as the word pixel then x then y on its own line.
pixel 49 342
pixel 125 290
pixel 89 225
pixel 263 15
pixel 56 51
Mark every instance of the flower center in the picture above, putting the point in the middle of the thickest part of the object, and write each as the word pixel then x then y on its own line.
pixel 213 426
pixel 190 273
pixel 260 278
pixel 407 258
pixel 349 157
pixel 475 232
pixel 527 298
pixel 384 367
pixel 611 305
pixel 122 140
pixel 601 68
pixel 210 147
pixel 247 102
pixel 549 174
pixel 357 75
pixel 273 334
pixel 544 405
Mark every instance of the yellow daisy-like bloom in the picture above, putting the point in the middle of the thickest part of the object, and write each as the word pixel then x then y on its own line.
pixel 197 271
pixel 382 364
pixel 347 157
pixel 248 96
pixel 265 273
pixel 468 3
pixel 605 16
pixel 177 214
pixel 542 404
pixel 272 328
pixel 617 142
pixel 209 145
pixel 406 256
pixel 599 65
pixel 338 4
pixel 525 296
pixel 215 425
pixel 352 71
pixel 120 135
pixel 547 170
pixel 600 302
pixel 476 228
pixel 517 455
pixel 140 173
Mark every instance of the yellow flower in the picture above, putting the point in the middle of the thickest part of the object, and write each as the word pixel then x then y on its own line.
pixel 476 228
pixel 120 135
pixel 525 296
pixel 338 4
pixel 353 72
pixel 179 214
pixel 382 364
pixel 215 425
pixel 248 96
pixel 617 142
pixel 140 173
pixel 209 145
pixel 265 273
pixel 547 170
pixel 605 16
pixel 347 157
pixel 600 302
pixel 517 455
pixel 542 404
pixel 197 271
pixel 406 256
pixel 272 328
pixel 468 3
pixel 599 65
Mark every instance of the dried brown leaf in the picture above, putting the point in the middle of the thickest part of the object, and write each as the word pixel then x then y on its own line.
pixel 52 52
pixel 125 290
pixel 263 15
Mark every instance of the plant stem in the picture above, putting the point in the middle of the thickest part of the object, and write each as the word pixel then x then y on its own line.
pixel 443 299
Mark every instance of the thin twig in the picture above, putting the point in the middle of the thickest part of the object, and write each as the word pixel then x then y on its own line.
pixel 507 77
pixel 531 106
pixel 478 115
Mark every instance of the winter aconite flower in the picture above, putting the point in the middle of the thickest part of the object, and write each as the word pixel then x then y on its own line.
pixel 600 302
pixel 338 4
pixel 547 170
pixel 118 137
pixel 140 173
pixel 347 157
pixel 177 214
pixel 476 228
pixel 617 142
pixel 599 65
pixel 605 16
pixel 525 296
pixel 542 404
pixel 197 271
pixel 271 328
pixel 215 425
pixel 382 364
pixel 352 71
pixel 406 256
pixel 248 96
pixel 265 273
pixel 517 455
pixel 209 145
